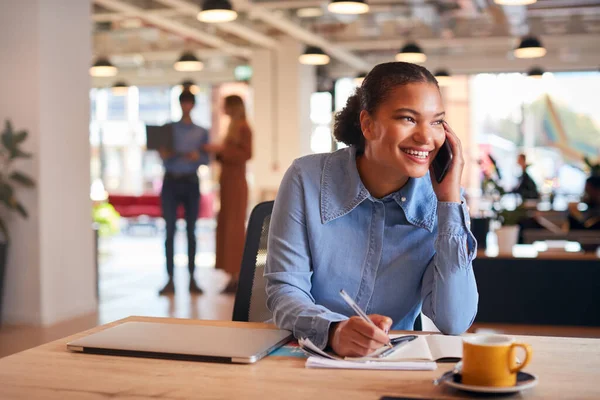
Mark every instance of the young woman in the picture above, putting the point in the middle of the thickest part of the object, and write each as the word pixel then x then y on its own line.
pixel 233 155
pixel 368 219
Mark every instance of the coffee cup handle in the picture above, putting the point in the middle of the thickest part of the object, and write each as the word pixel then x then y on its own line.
pixel 512 356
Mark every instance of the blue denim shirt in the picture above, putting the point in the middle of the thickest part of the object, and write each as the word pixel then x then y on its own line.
pixel 395 256
pixel 187 138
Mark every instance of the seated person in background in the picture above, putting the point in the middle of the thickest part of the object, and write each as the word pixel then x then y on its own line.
pixel 526 187
pixel 589 219
pixel 368 219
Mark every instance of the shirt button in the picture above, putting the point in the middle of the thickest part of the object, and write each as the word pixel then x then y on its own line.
pixel 403 198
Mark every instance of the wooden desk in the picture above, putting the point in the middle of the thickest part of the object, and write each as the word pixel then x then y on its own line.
pixel 567 368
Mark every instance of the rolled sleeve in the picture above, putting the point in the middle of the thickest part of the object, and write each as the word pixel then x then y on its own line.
pixel 288 270
pixel 316 328
pixel 454 220
pixel 449 290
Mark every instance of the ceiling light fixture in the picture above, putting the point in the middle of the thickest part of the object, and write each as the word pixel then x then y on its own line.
pixel 411 53
pixel 314 56
pixel 358 79
pixel 103 68
pixel 443 77
pixel 530 47
pixel 514 2
pixel 348 6
pixel 535 72
pixel 188 62
pixel 120 88
pixel 215 11
pixel 309 12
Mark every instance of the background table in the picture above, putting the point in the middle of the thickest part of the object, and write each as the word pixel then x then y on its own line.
pixel 551 289
pixel 567 368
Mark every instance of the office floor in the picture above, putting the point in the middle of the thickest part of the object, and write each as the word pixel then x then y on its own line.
pixel 132 272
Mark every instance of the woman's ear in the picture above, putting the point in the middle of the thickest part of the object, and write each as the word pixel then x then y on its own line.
pixel 367 125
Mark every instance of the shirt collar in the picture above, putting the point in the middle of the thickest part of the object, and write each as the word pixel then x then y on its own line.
pixel 342 191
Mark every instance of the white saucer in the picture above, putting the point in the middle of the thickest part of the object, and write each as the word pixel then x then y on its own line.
pixel 524 381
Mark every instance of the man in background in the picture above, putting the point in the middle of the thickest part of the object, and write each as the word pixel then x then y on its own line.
pixel 590 218
pixel 181 186
pixel 526 187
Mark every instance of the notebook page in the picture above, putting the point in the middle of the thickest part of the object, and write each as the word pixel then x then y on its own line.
pixel 416 350
pixel 445 347
pixel 317 362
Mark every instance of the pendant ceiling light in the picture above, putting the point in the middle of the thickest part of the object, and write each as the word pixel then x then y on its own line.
pixel 411 53
pixel 215 11
pixel 358 79
pixel 530 47
pixel 189 84
pixel 103 68
pixel 535 72
pixel 348 6
pixel 188 62
pixel 443 77
pixel 314 56
pixel 309 12
pixel 120 88
pixel 515 2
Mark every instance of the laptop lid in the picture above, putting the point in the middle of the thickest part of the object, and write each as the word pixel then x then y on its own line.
pixel 183 342
pixel 158 137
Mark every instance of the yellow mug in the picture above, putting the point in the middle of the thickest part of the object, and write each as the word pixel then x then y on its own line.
pixel 491 360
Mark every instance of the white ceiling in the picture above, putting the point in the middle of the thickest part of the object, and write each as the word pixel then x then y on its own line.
pixel 144 37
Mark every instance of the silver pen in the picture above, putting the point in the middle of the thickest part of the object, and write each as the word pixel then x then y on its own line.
pixel 358 310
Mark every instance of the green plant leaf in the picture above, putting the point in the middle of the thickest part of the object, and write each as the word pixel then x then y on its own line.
pixel 7 142
pixel 6 192
pixel 21 210
pixel 23 179
pixel 7 136
pixel 20 137
pixel 4 230
pixel 17 153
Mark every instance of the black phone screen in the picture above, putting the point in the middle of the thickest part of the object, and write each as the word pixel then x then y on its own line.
pixel 441 162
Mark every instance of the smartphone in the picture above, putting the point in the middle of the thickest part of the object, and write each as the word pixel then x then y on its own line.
pixel 442 161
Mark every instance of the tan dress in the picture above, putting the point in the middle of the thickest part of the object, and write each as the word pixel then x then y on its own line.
pixel 231 220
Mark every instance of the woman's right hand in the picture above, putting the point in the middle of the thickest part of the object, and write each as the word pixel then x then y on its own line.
pixel 355 337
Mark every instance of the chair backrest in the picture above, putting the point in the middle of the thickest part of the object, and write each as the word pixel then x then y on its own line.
pixel 251 298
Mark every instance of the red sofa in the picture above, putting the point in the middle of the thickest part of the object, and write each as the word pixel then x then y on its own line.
pixel 149 204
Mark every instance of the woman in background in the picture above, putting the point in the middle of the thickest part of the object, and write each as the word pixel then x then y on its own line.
pixel 233 154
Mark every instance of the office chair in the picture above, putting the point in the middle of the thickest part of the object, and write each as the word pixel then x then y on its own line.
pixel 251 298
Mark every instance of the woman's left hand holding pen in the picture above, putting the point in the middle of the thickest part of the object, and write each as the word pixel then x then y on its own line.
pixel 355 337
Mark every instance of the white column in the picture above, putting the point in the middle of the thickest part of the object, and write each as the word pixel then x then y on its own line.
pixel 46 46
pixel 281 89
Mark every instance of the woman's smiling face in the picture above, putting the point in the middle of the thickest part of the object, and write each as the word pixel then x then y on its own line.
pixel 406 130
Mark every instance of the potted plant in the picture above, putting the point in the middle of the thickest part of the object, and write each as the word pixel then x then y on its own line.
pixel 10 151
pixel 508 233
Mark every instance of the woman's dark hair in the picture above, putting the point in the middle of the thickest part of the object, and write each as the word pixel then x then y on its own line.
pixel 187 96
pixel 375 89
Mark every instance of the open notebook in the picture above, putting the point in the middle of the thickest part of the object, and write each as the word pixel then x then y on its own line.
pixel 419 354
pixel 424 348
